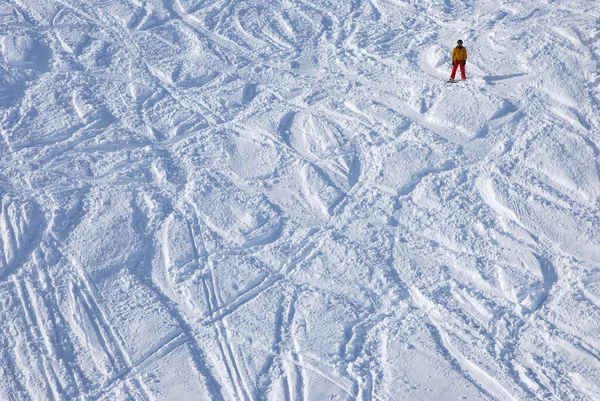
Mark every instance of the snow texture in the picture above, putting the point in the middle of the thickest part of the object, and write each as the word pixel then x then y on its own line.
pixel 284 200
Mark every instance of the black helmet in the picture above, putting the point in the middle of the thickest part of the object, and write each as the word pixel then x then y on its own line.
pixel 460 42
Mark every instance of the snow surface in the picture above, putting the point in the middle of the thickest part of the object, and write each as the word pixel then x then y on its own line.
pixel 283 200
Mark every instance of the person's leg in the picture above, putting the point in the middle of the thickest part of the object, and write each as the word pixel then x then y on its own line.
pixel 462 71
pixel 454 67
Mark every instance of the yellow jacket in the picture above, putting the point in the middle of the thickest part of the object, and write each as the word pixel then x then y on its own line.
pixel 459 54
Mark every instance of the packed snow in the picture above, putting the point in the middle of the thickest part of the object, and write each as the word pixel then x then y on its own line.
pixel 285 200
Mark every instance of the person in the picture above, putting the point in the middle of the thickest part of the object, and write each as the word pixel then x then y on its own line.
pixel 459 58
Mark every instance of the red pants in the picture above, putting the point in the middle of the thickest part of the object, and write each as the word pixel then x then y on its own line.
pixel 462 69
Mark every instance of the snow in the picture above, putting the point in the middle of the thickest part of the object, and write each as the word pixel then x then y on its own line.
pixel 284 200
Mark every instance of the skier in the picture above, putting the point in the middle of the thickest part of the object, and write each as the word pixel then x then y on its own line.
pixel 459 58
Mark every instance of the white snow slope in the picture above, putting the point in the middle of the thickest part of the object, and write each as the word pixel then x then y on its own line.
pixel 284 200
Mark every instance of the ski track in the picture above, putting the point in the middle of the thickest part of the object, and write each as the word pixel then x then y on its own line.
pixel 285 201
